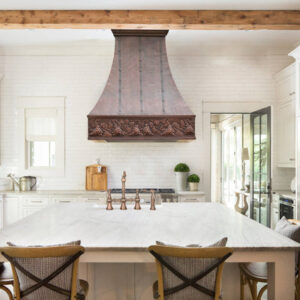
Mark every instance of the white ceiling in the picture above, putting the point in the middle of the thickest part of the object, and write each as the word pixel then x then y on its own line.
pixel 153 4
pixel 178 42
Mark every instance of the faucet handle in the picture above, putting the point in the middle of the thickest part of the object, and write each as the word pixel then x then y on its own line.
pixel 109 200
pixel 137 201
pixel 152 207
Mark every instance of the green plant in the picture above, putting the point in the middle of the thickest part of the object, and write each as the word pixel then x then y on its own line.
pixel 181 167
pixel 193 178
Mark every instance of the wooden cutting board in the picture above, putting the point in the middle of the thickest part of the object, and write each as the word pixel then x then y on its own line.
pixel 96 178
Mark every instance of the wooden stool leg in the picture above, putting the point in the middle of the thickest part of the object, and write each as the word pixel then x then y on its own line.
pixel 262 290
pixel 253 288
pixel 297 288
pixel 7 291
pixel 242 286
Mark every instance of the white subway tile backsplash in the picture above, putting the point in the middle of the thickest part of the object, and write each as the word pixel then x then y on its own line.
pixel 81 80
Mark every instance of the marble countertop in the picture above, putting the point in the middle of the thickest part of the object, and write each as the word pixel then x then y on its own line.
pixel 175 223
pixel 80 192
pixel 53 192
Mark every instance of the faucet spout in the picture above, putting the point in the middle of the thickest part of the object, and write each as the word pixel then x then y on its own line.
pixel 13 178
pixel 123 200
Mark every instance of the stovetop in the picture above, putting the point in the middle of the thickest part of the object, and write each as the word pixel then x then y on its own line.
pixel 144 191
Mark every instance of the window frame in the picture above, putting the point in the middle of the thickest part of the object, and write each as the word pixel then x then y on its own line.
pixel 57 103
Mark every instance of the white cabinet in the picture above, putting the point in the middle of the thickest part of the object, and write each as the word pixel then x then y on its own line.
pixel 296 55
pixel 286 146
pixel 285 121
pixel 30 205
pixel 191 197
pixel 11 210
pixel 93 199
pixel 16 205
pixel 298 169
pixel 64 199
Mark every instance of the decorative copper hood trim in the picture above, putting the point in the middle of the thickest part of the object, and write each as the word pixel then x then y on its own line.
pixel 117 128
pixel 140 100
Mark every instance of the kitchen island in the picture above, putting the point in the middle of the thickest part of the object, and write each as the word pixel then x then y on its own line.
pixel 117 263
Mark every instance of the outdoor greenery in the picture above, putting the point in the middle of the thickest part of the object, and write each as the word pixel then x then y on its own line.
pixel 181 167
pixel 193 178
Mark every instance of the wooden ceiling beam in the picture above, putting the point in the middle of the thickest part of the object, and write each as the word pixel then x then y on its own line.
pixel 152 19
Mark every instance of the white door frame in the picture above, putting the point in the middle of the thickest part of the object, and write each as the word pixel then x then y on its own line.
pixel 212 107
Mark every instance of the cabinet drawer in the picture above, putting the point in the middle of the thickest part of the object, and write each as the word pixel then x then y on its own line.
pixel 35 201
pixel 65 200
pixel 195 198
pixel 99 200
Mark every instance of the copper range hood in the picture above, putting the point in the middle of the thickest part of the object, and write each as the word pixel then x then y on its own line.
pixel 140 101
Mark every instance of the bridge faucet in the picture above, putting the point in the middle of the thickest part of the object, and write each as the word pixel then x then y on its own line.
pixel 123 200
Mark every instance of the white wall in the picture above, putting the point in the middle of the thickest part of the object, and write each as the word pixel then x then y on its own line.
pixel 81 78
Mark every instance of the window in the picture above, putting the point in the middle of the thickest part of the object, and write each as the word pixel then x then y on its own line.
pixel 40 137
pixel 41 122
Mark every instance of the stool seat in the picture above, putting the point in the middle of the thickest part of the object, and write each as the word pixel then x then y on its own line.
pixel 258 270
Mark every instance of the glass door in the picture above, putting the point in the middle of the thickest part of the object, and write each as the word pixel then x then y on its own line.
pixel 261 186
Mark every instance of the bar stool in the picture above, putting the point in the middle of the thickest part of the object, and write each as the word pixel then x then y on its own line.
pixel 6 279
pixel 188 273
pixel 253 273
pixel 46 272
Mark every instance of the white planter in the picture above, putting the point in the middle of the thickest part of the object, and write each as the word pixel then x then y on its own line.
pixel 194 186
pixel 181 180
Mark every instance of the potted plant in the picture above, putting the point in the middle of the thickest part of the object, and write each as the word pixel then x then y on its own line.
pixel 181 170
pixel 193 181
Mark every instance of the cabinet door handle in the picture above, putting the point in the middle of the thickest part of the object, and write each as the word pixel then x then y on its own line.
pixel 36 201
pixel 292 159
pixel 292 93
